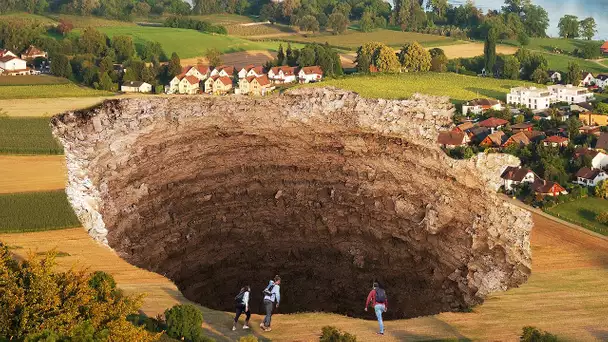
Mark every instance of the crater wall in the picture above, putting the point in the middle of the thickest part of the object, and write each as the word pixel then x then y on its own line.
pixel 328 189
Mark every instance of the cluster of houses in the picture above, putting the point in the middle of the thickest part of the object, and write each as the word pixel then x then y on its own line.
pixel 541 99
pixel 249 80
pixel 12 65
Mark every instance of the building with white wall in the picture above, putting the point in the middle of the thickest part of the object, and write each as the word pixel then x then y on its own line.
pixel 570 94
pixel 531 97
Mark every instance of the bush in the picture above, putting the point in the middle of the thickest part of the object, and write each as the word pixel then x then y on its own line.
pixel 332 334
pixel 532 334
pixel 248 338
pixel 602 217
pixel 184 322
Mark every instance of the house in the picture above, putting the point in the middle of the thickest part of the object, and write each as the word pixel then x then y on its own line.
pixel 173 86
pixel 282 74
pixel 479 106
pixel 452 139
pixel 11 65
pixel 594 130
pixel 464 127
pixel 547 188
pixel 493 123
pixel 586 79
pixel 310 74
pixel 244 84
pixel 189 85
pixel 602 142
pixel 534 136
pixel 136 87
pixel 251 70
pixel 589 177
pixel 530 97
pixel 209 82
pixel 599 160
pixel 604 48
pixel 5 52
pixel 570 94
pixel 478 134
pixel 199 71
pixel 555 141
pixel 223 71
pixel 496 139
pixel 519 139
pixel 222 85
pixel 601 80
pixel 554 76
pixel 582 107
pixel 33 52
pixel 520 127
pixel 589 118
pixel 260 85
pixel 513 176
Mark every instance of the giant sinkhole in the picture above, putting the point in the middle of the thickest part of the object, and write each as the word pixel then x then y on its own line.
pixel 330 190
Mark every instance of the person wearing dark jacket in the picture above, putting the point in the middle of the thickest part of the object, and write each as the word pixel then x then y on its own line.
pixel 377 296
pixel 242 306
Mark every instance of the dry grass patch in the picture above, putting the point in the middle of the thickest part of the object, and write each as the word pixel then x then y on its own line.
pixel 31 80
pixel 474 49
pixel 31 173
pixel 47 107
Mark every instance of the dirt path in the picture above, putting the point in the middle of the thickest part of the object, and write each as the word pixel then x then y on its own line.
pixel 566 293
pixel 31 173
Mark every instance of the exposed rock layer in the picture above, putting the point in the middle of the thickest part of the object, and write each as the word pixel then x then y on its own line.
pixel 324 187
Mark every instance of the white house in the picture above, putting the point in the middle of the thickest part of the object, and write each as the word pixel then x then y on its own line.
pixel 589 177
pixel 199 71
pixel 5 52
pixel 282 74
pixel 12 65
pixel 251 70
pixel 223 71
pixel 570 94
pixel 33 52
pixel 136 87
pixel 530 97
pixel 478 106
pixel 586 79
pixel 513 176
pixel 188 85
pixel 554 76
pixel 310 74
pixel 599 159
pixel 174 84
pixel 601 80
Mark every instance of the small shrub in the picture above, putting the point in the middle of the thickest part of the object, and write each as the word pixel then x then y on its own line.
pixel 184 322
pixel 602 217
pixel 248 338
pixel 332 334
pixel 532 334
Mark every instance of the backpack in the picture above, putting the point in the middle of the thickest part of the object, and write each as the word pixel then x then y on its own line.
pixel 238 300
pixel 380 296
pixel 268 290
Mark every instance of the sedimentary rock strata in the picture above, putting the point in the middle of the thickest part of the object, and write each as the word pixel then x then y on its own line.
pixel 326 188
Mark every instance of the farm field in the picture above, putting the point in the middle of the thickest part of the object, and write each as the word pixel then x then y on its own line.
pixel 27 136
pixel 564 295
pixel 583 212
pixel 34 211
pixel 48 106
pixel 223 18
pixel 31 80
pixel 92 21
pixel 188 43
pixel 32 173
pixel 49 91
pixel 400 86
pixel 548 44
pixel 261 31
pixel 237 59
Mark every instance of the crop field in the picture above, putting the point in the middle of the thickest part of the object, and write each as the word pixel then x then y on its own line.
pixel 34 211
pixel 47 107
pixel 583 212
pixel 27 136
pixel 32 173
pixel 223 18
pixel 48 91
pixel 353 39
pixel 31 80
pixel 560 62
pixel 189 43
pixel 260 31
pixel 400 86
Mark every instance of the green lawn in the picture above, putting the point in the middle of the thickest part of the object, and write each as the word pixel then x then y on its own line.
pixel 27 136
pixel 223 18
pixel 399 86
pixel 31 80
pixel 353 39
pixel 48 91
pixel 92 21
pixel 27 16
pixel 35 211
pixel 560 62
pixel 582 212
pixel 548 44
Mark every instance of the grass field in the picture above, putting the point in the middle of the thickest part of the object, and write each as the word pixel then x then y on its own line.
pixel 32 173
pixel 353 39
pixel 49 91
pixel 400 86
pixel 31 80
pixel 548 44
pixel 223 18
pixel 560 62
pixel 582 212
pixel 27 136
pixel 27 16
pixel 92 21
pixel 188 43
pixel 260 31
pixel 34 211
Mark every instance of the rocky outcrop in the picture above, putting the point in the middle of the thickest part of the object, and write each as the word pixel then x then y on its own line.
pixel 328 189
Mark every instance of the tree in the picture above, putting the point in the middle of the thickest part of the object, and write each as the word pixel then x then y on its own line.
pixel 174 67
pixel 602 217
pixel 64 27
pixel 532 334
pixel 105 83
pixel 413 57
pixel 60 66
pixel 106 64
pixel 291 56
pixel 573 75
pixel 386 60
pixel 307 56
pixel 535 20
pixel 213 56
pixel 601 189
pixel 439 60
pixel 588 28
pixel 490 50
pixel 184 322
pixel 568 26
pixel 142 9
pixel 338 22
pixel 523 39
pixel 92 41
pixel 511 68
pixel 124 47
pixel 280 55
pixel 366 24
pixel 332 334
pixel 308 23
pixel 573 124
pixel 540 76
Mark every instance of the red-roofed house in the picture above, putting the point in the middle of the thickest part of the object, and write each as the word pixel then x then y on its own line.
pixel 520 127
pixel 513 176
pixel 604 48
pixel 173 86
pixel 282 74
pixel 493 123
pixel 479 106
pixel 33 52
pixel 251 70
pixel 589 177
pixel 496 139
pixel 599 160
pixel 199 71
pixel 260 85
pixel 555 141
pixel 547 188
pixel 452 139
pixel 223 71
pixel 310 74
pixel 189 85
pixel 222 85
pixel 5 52
pixel 519 139
pixel 11 65
pixel 209 82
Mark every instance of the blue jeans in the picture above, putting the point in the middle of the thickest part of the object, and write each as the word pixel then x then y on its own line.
pixel 379 308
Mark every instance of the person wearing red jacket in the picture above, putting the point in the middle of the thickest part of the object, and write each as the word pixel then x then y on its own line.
pixel 377 296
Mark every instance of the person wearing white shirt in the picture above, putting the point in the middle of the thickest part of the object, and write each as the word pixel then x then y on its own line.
pixel 242 306
pixel 272 295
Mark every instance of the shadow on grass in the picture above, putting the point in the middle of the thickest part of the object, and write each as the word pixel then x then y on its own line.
pixel 441 328
pixel 587 214
pixel 487 93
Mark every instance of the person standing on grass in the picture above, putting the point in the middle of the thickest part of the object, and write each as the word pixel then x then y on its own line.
pixel 377 296
pixel 242 305
pixel 272 295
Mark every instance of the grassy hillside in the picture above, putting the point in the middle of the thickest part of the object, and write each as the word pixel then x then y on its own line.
pixel 548 44
pixel 188 43
pixel 92 21
pixel 560 62
pixel 583 212
pixel 458 87
pixel 224 19
pixel 27 16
